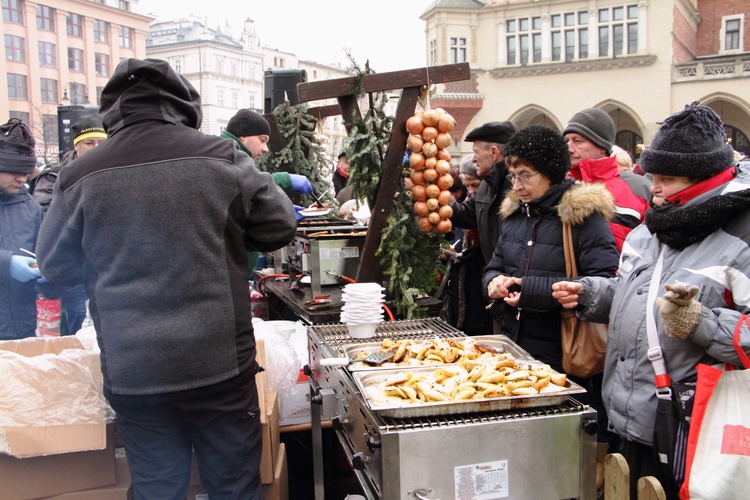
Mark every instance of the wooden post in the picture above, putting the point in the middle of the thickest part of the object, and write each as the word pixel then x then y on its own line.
pixel 410 81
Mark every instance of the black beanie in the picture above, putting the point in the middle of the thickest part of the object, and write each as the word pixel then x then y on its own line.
pixel 17 154
pixel 543 148
pixel 247 123
pixel 86 127
pixel 595 125
pixel 690 143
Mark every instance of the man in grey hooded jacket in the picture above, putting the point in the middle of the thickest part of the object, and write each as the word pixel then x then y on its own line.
pixel 156 222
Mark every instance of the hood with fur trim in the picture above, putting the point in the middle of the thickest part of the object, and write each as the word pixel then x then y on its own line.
pixel 579 201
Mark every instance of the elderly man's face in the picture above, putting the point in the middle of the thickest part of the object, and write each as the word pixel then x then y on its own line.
pixel 581 148
pixel 343 164
pixel 486 154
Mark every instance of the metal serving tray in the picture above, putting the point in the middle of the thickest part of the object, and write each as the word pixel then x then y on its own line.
pixel 500 342
pixel 367 379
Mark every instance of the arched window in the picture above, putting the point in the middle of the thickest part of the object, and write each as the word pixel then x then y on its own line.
pixel 737 139
pixel 629 141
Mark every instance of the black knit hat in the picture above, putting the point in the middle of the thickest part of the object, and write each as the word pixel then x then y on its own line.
pixel 86 127
pixel 496 132
pixel 247 123
pixel 595 125
pixel 690 143
pixel 543 148
pixel 17 143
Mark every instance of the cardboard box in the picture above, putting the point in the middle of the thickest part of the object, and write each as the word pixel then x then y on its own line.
pixel 117 492
pixel 260 377
pixel 55 403
pixel 279 489
pixel 38 477
pixel 269 422
pixel 294 408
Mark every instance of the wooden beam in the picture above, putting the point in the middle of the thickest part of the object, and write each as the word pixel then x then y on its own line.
pixel 380 82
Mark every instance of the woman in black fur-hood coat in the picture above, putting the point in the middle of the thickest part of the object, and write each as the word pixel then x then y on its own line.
pixel 530 246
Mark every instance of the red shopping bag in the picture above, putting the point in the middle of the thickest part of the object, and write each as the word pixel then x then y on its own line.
pixel 718 448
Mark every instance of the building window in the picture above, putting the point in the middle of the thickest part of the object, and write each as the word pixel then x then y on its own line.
pixel 78 93
pixel 21 115
pixel 15 48
pixel 457 49
pixel 101 31
pixel 220 98
pixel 75 60
pixel 74 24
pixel 13 11
pixel 524 39
pixel 124 5
pixel 49 90
pixel 220 66
pixel 17 87
pixel 126 37
pixel 102 64
pixel 47 55
pixel 178 65
pixel 731 33
pixel 99 91
pixel 569 36
pixel 45 18
pixel 433 52
pixel 251 100
pixel 235 100
pixel 618 31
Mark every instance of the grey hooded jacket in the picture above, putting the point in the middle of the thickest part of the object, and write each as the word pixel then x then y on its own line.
pixel 719 264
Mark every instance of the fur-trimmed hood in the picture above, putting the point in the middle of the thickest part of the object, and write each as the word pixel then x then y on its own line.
pixel 579 201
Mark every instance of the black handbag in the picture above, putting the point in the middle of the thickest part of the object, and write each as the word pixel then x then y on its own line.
pixel 671 429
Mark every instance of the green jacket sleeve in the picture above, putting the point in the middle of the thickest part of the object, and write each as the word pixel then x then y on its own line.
pixel 282 180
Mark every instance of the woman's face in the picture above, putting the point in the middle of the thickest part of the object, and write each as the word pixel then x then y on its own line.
pixel 528 182
pixel 664 186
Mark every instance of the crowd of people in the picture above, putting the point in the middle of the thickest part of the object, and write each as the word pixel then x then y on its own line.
pixel 155 226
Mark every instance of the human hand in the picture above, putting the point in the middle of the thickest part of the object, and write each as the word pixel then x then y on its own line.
pixel 679 310
pixel 21 268
pixel 513 299
pixel 567 292
pixel 297 210
pixel 499 287
pixel 301 184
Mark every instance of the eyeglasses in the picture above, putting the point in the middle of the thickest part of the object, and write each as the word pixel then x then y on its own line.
pixel 523 178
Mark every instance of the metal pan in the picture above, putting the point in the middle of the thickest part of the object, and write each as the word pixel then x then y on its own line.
pixel 499 342
pixel 367 380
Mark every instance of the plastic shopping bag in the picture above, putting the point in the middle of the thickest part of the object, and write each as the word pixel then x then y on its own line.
pixel 718 450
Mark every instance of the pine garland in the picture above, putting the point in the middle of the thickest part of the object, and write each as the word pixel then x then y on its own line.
pixel 297 129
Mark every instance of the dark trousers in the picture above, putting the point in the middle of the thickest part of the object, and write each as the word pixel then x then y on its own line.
pixel 224 430
pixel 73 309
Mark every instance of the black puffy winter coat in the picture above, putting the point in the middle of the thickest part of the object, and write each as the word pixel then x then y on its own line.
pixel 530 247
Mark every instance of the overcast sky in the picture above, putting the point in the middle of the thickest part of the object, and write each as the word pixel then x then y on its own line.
pixel 387 32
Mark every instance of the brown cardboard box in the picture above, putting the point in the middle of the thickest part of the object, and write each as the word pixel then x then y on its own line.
pixel 269 423
pixel 36 477
pixel 279 489
pixel 260 377
pixel 117 492
pixel 45 415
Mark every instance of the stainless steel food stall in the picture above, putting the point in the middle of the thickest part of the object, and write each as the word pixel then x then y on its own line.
pixel 525 447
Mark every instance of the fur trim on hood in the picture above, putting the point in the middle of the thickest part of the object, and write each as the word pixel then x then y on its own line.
pixel 577 203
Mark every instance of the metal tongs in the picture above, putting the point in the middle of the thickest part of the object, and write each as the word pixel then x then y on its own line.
pixel 315 203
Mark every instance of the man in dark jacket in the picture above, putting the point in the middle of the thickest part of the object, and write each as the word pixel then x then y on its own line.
pixel 157 221
pixel 20 217
pixel 88 132
pixel 480 210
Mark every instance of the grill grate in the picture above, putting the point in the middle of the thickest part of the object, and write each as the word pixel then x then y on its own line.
pixel 401 424
pixel 336 336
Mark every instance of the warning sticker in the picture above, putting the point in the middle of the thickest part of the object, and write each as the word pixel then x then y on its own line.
pixel 339 253
pixel 487 481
